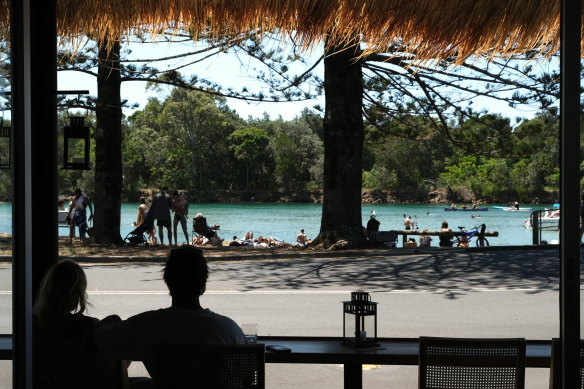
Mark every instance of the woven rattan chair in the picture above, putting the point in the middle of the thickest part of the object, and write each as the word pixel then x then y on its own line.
pixel 181 366
pixel 555 373
pixel 455 363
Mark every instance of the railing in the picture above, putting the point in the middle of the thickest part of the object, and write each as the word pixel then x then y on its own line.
pixel 535 218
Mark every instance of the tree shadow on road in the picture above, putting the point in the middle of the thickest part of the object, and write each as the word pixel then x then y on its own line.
pixel 448 271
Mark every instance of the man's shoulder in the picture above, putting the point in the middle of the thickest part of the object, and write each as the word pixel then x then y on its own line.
pixel 218 318
pixel 148 315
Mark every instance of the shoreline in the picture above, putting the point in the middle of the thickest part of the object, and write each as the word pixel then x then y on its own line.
pixel 93 253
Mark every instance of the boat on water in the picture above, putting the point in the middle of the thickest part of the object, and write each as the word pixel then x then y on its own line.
pixel 469 209
pixel 545 223
pixel 549 220
pixel 513 208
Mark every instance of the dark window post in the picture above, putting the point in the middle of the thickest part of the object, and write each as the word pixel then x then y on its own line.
pixel 569 192
pixel 34 118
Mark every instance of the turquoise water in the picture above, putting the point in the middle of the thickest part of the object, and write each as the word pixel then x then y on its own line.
pixel 284 221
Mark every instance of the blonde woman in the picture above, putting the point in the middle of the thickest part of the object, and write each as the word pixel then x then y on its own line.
pixel 66 355
pixel 62 301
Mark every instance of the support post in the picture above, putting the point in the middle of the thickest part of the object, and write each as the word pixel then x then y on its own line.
pixel 44 141
pixel 34 119
pixel 353 376
pixel 569 193
pixel 535 218
pixel 22 295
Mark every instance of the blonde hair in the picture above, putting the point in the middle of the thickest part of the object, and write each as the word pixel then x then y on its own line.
pixel 63 290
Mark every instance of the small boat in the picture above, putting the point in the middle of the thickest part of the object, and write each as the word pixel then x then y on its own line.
pixel 549 220
pixel 545 224
pixel 513 208
pixel 470 209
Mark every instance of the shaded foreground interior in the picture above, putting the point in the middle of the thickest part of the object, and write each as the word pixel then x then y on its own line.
pixel 34 104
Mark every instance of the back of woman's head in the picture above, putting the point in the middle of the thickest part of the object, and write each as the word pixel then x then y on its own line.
pixel 63 290
pixel 444 224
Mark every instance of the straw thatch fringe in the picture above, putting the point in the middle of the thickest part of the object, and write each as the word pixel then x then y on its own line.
pixel 435 29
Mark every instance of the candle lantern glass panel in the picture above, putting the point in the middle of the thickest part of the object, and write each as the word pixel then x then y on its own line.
pixel 76 145
pixel 5 153
pixel 360 320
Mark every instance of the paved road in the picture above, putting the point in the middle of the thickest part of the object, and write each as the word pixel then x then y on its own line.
pixel 498 293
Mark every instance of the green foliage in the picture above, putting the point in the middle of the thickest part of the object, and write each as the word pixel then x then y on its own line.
pixel 181 142
pixel 250 146
pixel 410 158
pixel 529 169
pixel 404 157
pixel 193 141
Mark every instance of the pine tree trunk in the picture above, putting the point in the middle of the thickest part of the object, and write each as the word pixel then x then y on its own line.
pixel 343 148
pixel 108 147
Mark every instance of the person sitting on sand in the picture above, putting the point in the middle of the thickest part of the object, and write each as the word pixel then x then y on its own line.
pixel 301 238
pixel 425 240
pixel 236 242
pixel 200 240
pixel 275 242
pixel 262 241
pixel 373 223
pixel 445 239
pixel 202 228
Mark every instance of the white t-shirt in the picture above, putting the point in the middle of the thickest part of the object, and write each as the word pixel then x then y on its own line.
pixel 80 201
pixel 131 339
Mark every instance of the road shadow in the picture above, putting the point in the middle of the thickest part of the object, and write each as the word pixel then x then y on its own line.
pixel 533 270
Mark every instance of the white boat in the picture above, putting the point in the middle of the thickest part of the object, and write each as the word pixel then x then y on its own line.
pixel 514 209
pixel 545 223
pixel 548 220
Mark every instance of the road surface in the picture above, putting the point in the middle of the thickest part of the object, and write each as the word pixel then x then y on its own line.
pixel 476 294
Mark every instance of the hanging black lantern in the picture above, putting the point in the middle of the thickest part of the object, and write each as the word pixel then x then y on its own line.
pixel 76 144
pixel 360 320
pixel 5 146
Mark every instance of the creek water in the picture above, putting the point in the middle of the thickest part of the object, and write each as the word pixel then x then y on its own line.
pixel 284 221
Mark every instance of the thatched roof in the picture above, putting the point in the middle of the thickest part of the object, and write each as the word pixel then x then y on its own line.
pixel 435 28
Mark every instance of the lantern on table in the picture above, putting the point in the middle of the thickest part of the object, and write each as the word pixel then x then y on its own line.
pixel 360 320
pixel 76 144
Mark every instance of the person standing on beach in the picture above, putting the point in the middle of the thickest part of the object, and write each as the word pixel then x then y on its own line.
pixel 161 206
pixel 408 223
pixel 142 211
pixel 181 211
pixel 80 203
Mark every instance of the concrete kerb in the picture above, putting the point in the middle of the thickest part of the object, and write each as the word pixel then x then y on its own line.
pixel 214 256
